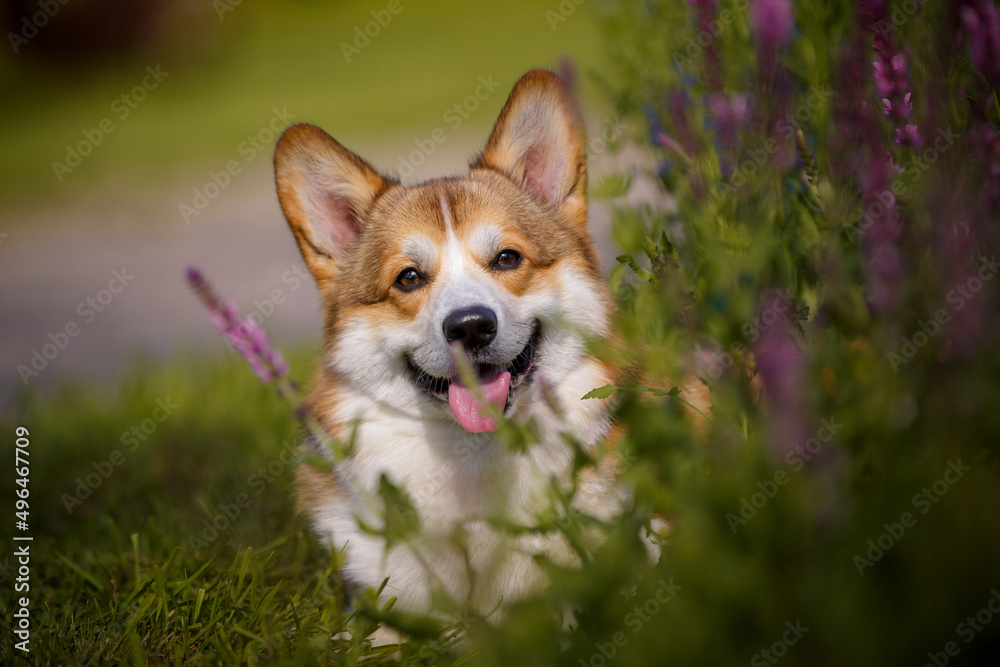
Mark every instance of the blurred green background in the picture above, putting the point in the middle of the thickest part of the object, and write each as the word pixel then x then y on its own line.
pixel 230 64
pixel 112 568
pixel 152 559
pixel 78 201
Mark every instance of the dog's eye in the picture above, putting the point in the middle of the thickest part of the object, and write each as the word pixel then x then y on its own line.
pixel 507 259
pixel 409 279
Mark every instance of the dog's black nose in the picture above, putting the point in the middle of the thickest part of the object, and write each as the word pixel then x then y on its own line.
pixel 474 327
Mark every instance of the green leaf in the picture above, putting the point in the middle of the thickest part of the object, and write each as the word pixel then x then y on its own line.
pixel 602 392
pixel 86 576
pixel 639 271
pixel 401 519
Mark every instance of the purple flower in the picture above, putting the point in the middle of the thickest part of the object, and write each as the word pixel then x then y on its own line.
pixel 713 64
pixel 898 169
pixel 898 63
pixel 982 25
pixel 781 364
pixel 661 138
pixel 984 144
pixel 244 335
pixel 658 135
pixel 907 109
pixel 904 110
pixel 567 72
pixel 890 73
pixel 873 10
pixel 678 104
pixel 850 117
pixel 729 113
pixel 773 22
pixel 910 136
pixel 883 78
pixel 885 269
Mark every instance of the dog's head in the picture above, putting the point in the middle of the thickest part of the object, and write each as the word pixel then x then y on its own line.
pixel 497 263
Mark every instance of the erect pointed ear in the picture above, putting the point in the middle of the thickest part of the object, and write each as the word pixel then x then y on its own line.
pixel 538 141
pixel 325 191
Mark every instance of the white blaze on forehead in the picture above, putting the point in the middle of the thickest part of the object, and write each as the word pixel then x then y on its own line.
pixel 482 243
pixel 422 250
pixel 485 240
pixel 449 226
pixel 454 256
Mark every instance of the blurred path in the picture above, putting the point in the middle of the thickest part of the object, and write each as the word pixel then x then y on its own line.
pixel 88 288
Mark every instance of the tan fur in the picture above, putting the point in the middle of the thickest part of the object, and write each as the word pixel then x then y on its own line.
pixel 357 231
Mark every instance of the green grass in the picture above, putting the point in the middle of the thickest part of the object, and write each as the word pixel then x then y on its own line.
pixel 132 573
pixel 884 544
pixel 226 77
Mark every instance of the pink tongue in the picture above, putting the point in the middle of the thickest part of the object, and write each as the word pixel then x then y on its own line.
pixel 469 410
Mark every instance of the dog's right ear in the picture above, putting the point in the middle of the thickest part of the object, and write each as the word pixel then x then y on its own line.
pixel 325 191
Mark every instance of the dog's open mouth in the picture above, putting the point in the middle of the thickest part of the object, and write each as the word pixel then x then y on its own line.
pixel 497 386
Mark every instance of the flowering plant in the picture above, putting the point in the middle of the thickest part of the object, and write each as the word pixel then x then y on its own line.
pixel 820 248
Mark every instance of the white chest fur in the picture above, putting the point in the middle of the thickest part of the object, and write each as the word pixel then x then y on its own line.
pixel 458 483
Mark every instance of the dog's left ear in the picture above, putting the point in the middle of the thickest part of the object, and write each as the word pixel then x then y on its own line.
pixel 539 142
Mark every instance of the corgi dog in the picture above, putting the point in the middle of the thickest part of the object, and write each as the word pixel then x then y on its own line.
pixel 495 266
